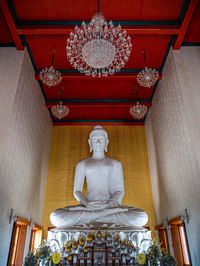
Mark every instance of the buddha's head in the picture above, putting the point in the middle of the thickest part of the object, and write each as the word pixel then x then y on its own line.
pixel 98 139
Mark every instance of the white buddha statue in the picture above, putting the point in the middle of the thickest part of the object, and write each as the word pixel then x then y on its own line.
pixel 105 190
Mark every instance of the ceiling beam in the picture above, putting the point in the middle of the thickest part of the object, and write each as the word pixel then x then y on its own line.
pixel 98 104
pixel 185 24
pixel 11 24
pixel 103 122
pixel 75 76
pixel 63 30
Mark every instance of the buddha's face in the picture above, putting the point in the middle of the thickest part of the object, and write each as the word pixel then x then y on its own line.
pixel 98 142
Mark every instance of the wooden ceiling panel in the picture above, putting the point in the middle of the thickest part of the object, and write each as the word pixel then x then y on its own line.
pixel 59 10
pixel 193 32
pixel 99 112
pixel 42 47
pixel 155 47
pixel 145 10
pixel 98 89
pixel 5 36
pixel 45 26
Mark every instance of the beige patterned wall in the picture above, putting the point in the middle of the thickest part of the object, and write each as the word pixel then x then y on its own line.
pixel 8 86
pixel 26 127
pixel 173 141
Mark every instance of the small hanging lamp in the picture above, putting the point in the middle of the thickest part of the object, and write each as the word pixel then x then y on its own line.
pixel 50 76
pixel 147 77
pixel 60 111
pixel 138 111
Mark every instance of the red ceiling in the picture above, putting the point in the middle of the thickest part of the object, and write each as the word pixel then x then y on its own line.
pixel 193 31
pixel 5 36
pixel 45 26
pixel 83 10
pixel 92 88
pixel 154 45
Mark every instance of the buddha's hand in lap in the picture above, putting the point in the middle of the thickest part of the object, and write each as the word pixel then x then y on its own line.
pixel 98 205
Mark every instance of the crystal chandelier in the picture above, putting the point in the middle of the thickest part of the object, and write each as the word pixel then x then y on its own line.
pixel 147 77
pixel 138 111
pixel 99 48
pixel 50 76
pixel 60 110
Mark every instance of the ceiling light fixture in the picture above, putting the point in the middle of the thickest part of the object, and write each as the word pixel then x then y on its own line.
pixel 60 111
pixel 50 76
pixel 147 77
pixel 98 49
pixel 138 111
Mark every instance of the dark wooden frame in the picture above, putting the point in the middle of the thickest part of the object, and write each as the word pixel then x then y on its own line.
pixel 178 223
pixel 18 242
pixel 33 233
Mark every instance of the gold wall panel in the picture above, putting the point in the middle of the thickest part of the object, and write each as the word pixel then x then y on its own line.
pixel 70 145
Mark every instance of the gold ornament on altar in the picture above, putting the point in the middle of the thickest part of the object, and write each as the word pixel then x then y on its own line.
pixel 68 249
pixel 126 242
pixel 68 244
pixel 99 234
pixel 69 257
pixel 85 250
pixel 81 240
pixel 106 234
pixel 117 239
pixel 90 237
pixel 132 246
pixel 74 244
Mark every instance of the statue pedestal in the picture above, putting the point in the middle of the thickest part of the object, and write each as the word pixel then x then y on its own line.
pixel 105 251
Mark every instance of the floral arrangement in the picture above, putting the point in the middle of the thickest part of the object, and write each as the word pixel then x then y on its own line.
pixel 159 256
pixel 42 253
pixel 31 259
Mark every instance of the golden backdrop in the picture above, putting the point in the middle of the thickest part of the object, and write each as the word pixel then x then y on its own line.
pixel 69 145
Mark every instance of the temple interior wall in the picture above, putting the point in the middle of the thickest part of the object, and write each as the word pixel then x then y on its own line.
pixel 172 135
pixel 25 133
pixel 70 145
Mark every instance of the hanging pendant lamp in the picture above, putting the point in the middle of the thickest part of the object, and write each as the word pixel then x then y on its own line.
pixel 50 76
pixel 59 110
pixel 147 77
pixel 138 111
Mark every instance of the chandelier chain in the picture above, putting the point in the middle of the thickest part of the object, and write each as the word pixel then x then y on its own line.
pixel 136 88
pixel 53 54
pixel 98 6
pixel 145 60
pixel 61 94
